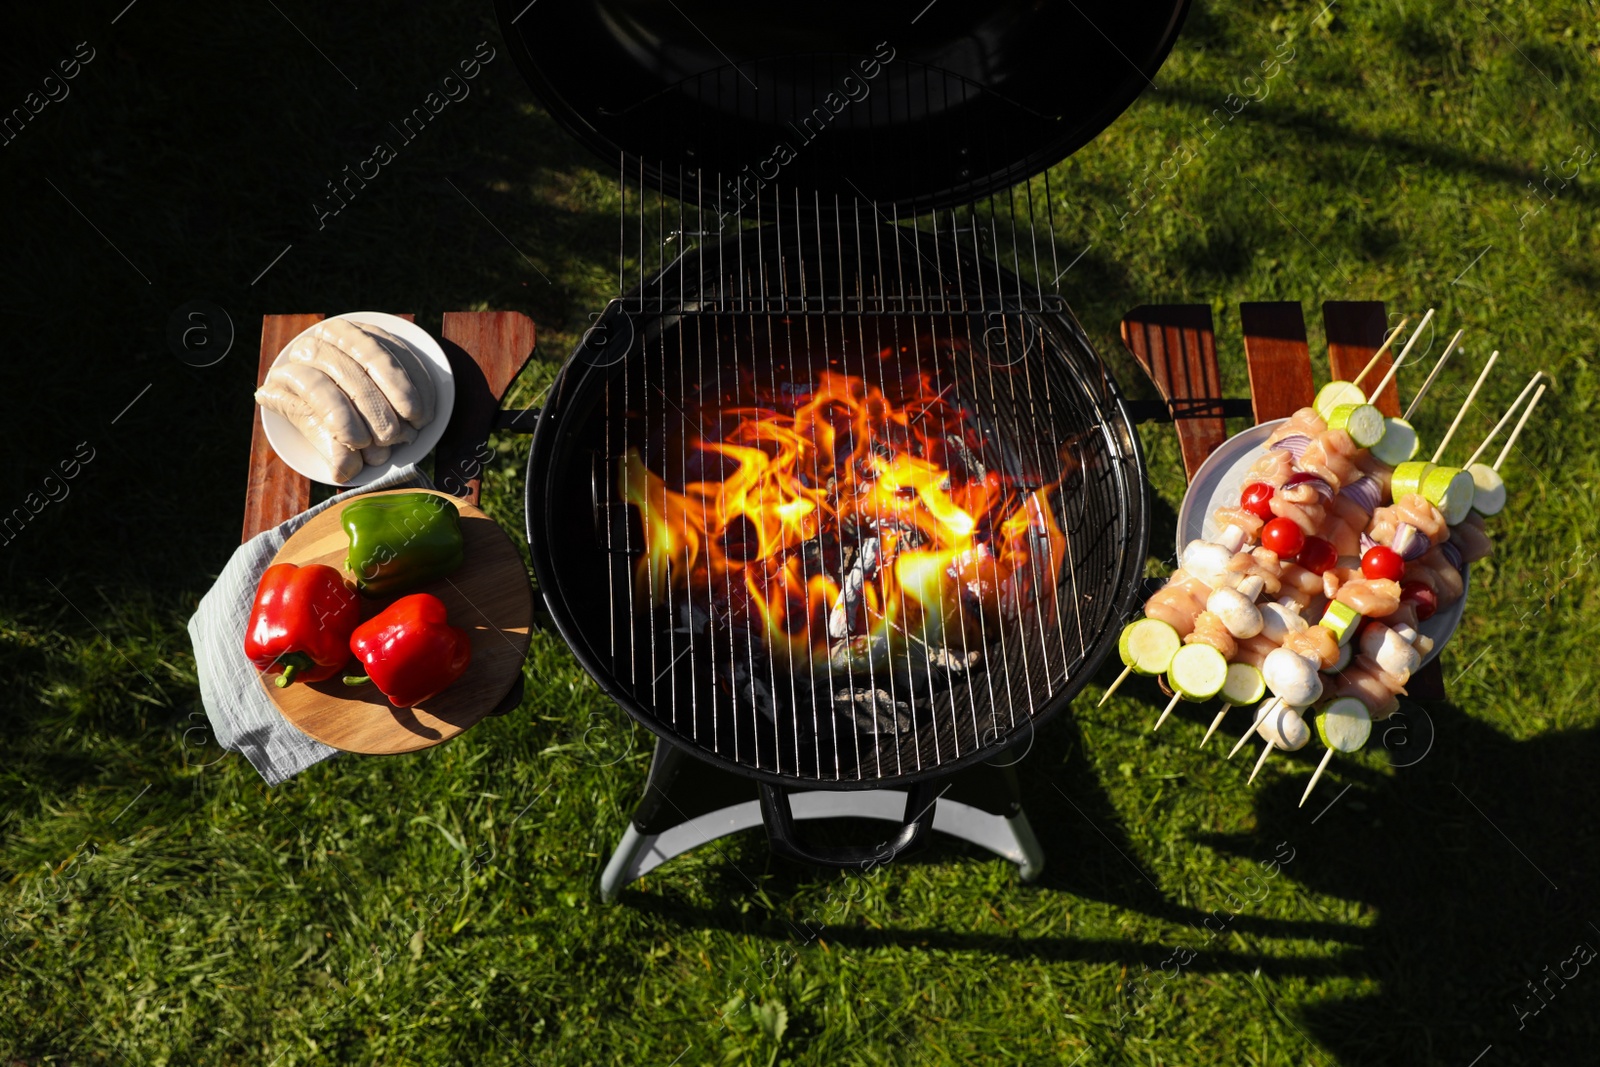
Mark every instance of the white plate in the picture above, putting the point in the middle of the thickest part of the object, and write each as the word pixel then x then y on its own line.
pixel 301 455
pixel 1217 484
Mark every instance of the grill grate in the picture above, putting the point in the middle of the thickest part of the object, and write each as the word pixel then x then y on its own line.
pixel 997 264
pixel 753 313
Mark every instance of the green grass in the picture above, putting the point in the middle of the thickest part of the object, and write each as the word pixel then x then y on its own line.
pixel 160 906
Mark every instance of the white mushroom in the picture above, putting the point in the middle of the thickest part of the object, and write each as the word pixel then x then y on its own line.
pixel 1237 613
pixel 1389 650
pixel 1199 556
pixel 1208 561
pixel 1414 637
pixel 1291 677
pixel 1285 728
pixel 1279 621
pixel 1250 587
pixel 1231 538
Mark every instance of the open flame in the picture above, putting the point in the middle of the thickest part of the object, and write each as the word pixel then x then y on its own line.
pixel 847 530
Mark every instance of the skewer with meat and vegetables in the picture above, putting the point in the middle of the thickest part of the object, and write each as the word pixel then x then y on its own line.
pixel 1316 587
pixel 1390 646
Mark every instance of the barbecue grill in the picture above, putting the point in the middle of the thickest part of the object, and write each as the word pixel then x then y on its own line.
pixel 836 495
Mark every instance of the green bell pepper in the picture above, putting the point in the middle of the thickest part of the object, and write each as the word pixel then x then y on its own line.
pixel 399 541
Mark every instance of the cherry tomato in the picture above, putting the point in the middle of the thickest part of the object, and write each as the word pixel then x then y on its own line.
pixel 1257 499
pixel 1283 537
pixel 1425 599
pixel 1382 562
pixel 1317 555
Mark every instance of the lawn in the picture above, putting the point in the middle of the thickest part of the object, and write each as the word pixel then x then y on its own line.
pixel 161 906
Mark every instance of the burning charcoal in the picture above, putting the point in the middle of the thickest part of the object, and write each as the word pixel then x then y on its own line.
pixel 848 605
pixel 692 619
pixel 928 669
pixel 859 655
pixel 953 660
pixel 732 608
pixel 741 541
pixel 748 687
pixel 963 460
pixel 895 535
pixel 1038 568
pixel 872 710
pixel 703 465
pixel 877 449
pixel 796 394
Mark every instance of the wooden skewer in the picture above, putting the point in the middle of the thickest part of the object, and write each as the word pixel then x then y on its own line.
pixel 1394 368
pixel 1170 705
pixel 1259 761
pixel 1387 341
pixel 1487 367
pixel 1266 709
pixel 1437 367
pixel 1327 757
pixel 1512 410
pixel 1216 722
pixel 1116 684
pixel 1504 452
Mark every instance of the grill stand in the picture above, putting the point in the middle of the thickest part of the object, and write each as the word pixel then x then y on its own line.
pixel 688 803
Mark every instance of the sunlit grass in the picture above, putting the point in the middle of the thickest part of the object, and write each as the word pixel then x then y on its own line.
pixel 161 906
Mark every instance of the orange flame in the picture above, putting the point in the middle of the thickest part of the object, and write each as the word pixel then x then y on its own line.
pixel 765 544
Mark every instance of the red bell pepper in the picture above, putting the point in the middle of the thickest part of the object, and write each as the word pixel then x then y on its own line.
pixel 410 651
pixel 301 622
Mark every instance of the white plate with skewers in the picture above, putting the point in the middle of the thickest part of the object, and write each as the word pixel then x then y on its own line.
pixel 418 354
pixel 1218 483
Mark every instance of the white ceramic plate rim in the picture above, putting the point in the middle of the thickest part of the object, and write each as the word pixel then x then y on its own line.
pixel 302 456
pixel 1218 482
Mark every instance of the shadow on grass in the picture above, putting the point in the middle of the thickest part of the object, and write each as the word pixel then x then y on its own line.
pixel 1476 892
pixel 1477 887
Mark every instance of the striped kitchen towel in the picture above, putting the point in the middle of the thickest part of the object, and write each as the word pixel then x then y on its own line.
pixel 242 717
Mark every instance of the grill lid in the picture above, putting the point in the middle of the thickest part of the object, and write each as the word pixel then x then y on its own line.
pixel 916 110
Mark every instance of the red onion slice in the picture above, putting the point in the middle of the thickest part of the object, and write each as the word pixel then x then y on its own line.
pixel 1367 542
pixel 1292 443
pixel 1323 489
pixel 1409 542
pixel 1365 492
pixel 1453 554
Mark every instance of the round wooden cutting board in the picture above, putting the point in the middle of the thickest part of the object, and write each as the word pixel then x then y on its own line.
pixel 489 596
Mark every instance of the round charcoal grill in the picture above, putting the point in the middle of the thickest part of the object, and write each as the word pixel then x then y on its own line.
pixel 1021 403
pixel 836 494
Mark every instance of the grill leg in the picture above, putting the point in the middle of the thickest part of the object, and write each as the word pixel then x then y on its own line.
pixel 984 806
pixel 624 863
pixel 1032 864
pixel 687 803
pixel 684 811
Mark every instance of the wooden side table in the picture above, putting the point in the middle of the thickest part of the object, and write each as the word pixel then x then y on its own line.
pixel 1177 347
pixel 486 349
